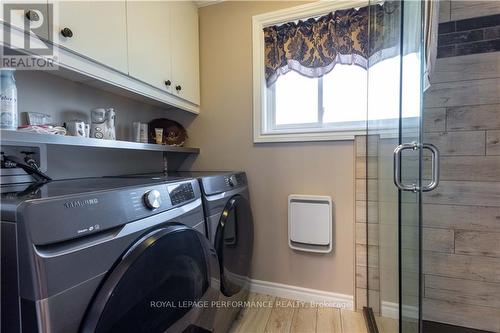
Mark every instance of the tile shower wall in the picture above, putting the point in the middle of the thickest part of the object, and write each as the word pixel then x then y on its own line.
pixel 367 228
pixel 377 226
pixel 461 217
pixel 469 36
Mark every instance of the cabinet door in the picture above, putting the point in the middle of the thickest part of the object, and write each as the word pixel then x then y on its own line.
pixel 185 51
pixel 149 43
pixel 96 29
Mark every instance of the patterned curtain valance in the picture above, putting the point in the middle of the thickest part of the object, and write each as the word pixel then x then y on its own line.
pixel 314 46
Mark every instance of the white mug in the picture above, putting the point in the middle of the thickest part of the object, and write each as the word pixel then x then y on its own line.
pixel 87 130
pixel 144 133
pixel 76 128
pixel 136 131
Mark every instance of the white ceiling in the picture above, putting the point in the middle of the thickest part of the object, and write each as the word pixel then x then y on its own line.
pixel 204 3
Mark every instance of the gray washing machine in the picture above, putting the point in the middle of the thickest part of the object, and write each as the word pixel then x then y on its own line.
pixel 229 226
pixel 106 255
pixel 228 214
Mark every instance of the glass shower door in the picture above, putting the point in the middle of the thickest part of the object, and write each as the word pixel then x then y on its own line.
pixel 410 166
pixel 395 93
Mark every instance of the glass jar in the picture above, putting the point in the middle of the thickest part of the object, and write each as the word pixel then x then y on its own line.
pixel 8 100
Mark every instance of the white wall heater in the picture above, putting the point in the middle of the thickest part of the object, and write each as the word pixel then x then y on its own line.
pixel 310 223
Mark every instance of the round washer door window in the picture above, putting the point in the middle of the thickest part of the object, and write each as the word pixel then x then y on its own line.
pixel 234 244
pixel 149 289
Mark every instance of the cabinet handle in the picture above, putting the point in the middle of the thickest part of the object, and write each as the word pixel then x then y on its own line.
pixel 178 88
pixel 32 15
pixel 66 32
pixel 168 83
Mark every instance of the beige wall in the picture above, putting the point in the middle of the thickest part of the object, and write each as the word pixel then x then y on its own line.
pixel 223 131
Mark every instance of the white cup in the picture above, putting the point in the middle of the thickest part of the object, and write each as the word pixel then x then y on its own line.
pixel 136 131
pixel 76 128
pixel 144 133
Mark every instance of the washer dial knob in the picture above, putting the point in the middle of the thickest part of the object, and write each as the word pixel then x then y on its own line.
pixel 152 199
pixel 232 181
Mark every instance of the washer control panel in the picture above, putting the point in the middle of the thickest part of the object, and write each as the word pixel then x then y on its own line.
pixel 231 181
pixel 180 193
pixel 99 210
pixel 159 198
pixel 152 199
pixel 234 180
pixel 226 181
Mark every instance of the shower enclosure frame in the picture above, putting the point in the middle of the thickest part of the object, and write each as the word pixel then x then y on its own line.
pixel 399 198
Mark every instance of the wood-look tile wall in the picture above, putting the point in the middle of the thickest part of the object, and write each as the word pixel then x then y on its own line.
pixel 367 271
pixel 461 217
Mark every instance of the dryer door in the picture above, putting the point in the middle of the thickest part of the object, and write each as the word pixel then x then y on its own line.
pixel 151 287
pixel 234 244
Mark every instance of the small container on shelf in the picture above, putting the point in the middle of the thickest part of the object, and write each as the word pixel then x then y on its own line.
pixel 173 134
pixel 159 136
pixel 8 99
pixel 144 133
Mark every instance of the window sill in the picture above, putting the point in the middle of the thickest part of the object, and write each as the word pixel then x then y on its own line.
pixel 338 135
pixel 307 137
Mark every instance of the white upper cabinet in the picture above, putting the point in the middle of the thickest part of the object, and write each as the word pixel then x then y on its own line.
pixel 95 29
pixel 150 48
pixel 185 51
pixel 163 46
pixel 149 43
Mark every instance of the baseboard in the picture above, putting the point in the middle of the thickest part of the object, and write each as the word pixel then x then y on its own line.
pixel 302 294
pixel 391 310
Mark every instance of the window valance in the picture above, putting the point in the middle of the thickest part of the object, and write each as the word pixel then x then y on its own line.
pixel 313 47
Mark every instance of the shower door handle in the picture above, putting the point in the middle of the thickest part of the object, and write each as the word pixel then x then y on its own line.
pixel 435 167
pixel 397 166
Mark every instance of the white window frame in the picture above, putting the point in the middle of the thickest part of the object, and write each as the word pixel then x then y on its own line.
pixel 261 117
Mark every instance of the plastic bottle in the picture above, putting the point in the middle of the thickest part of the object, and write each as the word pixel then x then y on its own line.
pixel 8 100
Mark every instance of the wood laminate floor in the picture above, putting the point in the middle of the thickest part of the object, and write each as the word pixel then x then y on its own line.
pixel 274 314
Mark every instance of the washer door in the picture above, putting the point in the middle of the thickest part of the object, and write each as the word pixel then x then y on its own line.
pixel 234 244
pixel 150 287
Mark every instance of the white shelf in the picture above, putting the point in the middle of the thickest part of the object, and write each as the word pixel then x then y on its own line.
pixel 16 137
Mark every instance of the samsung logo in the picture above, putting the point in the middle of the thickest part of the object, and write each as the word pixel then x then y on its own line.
pixel 81 203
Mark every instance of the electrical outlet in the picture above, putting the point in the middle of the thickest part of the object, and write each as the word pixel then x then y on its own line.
pixel 31 154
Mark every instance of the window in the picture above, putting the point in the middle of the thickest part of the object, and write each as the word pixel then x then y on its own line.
pixel 336 101
pixel 295 107
pixel 299 108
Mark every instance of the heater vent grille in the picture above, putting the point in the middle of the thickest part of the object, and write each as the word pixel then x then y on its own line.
pixel 310 223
